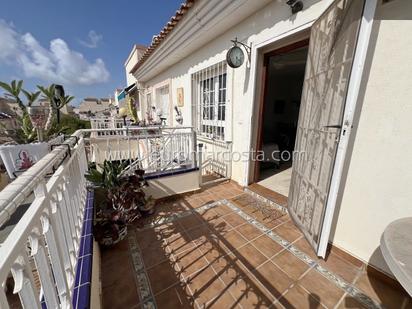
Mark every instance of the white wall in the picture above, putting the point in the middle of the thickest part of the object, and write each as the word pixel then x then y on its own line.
pixel 174 184
pixel 378 185
pixel 272 21
pixel 377 188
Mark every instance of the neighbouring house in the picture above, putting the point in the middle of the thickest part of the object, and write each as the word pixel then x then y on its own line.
pixel 9 109
pixel 94 107
pixel 331 81
pixel 122 96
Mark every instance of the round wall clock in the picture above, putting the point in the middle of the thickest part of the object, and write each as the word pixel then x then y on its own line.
pixel 235 57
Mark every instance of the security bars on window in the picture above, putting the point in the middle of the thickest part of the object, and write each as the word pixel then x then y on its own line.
pixel 209 93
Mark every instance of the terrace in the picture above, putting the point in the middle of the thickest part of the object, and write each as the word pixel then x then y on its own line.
pixel 213 246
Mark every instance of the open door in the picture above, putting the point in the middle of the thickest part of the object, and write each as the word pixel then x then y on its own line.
pixel 332 47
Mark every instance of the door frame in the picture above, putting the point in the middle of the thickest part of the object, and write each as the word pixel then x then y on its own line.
pixel 350 106
pixel 355 80
pixel 261 102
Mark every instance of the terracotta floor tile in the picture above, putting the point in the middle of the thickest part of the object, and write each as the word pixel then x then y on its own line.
pixel 222 300
pixel 196 233
pixel 209 215
pixel 227 269
pixel 190 222
pixel 303 245
pixel 297 297
pixel 267 246
pixel 154 255
pixel 250 257
pixel 345 270
pixel 272 278
pixel 248 294
pixel 249 231
pixel 290 264
pixel 272 223
pixel 174 298
pixel 222 210
pixel 382 292
pixel 349 302
pixel 232 240
pixel 204 285
pixel 146 238
pixel 321 288
pixel 288 231
pixel 219 226
pixel 118 277
pixel 179 243
pixel 234 220
pixel 190 262
pixel 162 276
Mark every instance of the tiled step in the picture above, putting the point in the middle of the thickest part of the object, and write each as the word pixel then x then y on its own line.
pixel 264 195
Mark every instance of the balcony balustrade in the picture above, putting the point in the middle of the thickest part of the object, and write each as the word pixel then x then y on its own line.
pixel 41 253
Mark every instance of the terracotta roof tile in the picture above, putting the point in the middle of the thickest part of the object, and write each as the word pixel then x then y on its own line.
pixel 157 39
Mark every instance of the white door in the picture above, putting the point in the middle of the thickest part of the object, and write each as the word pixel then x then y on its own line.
pixel 332 46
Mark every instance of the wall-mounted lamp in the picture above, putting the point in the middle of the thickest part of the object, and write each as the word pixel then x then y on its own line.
pixel 235 56
pixel 295 5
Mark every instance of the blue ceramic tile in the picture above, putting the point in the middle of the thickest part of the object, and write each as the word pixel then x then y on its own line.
pixel 86 269
pixel 83 297
pixel 87 227
pixel 81 293
pixel 87 242
pixel 78 272
pixel 75 297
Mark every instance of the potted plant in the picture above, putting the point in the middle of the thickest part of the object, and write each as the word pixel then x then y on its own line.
pixel 119 201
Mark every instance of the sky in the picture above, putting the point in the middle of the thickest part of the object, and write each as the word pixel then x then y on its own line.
pixel 81 44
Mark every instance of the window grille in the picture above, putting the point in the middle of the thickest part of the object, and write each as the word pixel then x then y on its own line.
pixel 210 99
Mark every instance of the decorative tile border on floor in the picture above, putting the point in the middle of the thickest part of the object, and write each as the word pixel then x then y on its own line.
pixel 266 200
pixel 339 282
pixel 143 284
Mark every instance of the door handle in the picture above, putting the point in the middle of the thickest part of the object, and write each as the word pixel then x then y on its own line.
pixel 335 126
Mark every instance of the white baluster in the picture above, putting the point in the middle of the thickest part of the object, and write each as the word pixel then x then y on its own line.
pixel 62 281
pixel 24 283
pixel 44 270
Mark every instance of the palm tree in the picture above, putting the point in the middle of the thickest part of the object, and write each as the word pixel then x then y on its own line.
pixel 63 101
pixel 31 96
pixel 13 90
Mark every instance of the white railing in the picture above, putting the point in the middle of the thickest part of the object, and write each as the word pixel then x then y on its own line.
pixel 45 242
pixel 46 239
pixel 154 149
pixel 216 160
pixel 106 123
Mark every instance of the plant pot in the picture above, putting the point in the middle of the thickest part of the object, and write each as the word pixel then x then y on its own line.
pixel 38 116
pixel 109 240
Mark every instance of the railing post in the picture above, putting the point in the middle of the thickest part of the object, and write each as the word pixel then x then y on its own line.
pixel 194 140
pixel 200 153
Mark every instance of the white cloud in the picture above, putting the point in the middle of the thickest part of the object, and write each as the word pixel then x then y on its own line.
pixel 58 63
pixel 94 39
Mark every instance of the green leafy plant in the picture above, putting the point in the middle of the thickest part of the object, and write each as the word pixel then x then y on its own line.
pixel 132 109
pixel 125 200
pixel 31 96
pixel 13 90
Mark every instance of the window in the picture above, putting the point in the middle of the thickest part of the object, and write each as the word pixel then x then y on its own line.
pixel 149 115
pixel 211 101
pixel 162 103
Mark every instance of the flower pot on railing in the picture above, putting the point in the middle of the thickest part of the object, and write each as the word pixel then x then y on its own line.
pixel 38 116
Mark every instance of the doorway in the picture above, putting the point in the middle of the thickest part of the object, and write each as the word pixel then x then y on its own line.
pixel 284 71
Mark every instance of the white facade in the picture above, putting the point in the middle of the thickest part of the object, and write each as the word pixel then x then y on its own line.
pixel 373 192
